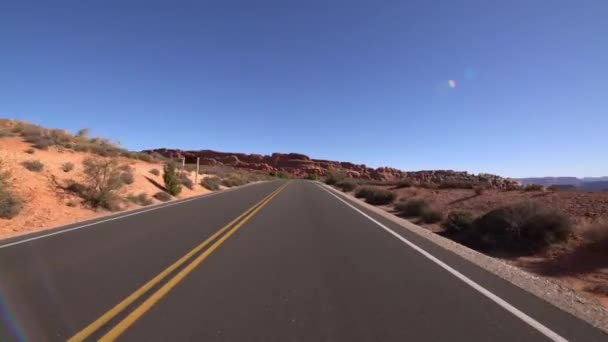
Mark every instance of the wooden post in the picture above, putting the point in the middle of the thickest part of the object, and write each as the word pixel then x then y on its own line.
pixel 197 169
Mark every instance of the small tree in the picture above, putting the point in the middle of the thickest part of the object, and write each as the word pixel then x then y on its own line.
pixel 172 180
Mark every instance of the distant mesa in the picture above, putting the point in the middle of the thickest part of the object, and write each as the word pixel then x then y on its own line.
pixel 300 165
pixel 587 183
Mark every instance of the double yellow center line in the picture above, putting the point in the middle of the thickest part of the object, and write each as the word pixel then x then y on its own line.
pixel 140 310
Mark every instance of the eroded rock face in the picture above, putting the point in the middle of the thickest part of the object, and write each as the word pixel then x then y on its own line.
pixel 301 165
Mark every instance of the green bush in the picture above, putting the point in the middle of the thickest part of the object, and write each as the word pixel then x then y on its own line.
pixel 459 222
pixel 412 208
pixel 33 165
pixel 430 215
pixel 347 184
pixel 364 191
pixel 141 199
pixel 172 181
pixel 67 167
pixel 211 183
pixel 155 172
pixel 162 196
pixel 523 227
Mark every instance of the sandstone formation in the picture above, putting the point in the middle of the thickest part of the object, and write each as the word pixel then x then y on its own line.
pixel 300 165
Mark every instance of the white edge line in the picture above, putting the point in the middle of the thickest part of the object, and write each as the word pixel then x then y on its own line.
pixel 135 212
pixel 501 302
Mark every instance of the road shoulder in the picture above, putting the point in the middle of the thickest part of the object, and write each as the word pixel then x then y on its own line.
pixel 564 298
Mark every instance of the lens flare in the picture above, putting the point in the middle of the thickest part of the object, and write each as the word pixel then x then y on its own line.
pixel 452 84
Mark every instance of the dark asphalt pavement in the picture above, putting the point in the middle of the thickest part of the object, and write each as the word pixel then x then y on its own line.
pixel 299 266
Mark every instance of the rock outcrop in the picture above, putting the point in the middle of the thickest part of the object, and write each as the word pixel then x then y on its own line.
pixel 300 165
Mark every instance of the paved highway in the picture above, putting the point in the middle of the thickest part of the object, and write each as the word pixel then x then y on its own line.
pixel 276 261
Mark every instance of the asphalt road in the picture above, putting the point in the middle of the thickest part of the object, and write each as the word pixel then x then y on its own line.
pixel 301 265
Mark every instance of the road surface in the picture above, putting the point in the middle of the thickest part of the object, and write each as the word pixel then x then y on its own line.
pixel 276 261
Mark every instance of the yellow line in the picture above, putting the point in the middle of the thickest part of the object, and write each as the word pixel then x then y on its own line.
pixel 160 293
pixel 106 317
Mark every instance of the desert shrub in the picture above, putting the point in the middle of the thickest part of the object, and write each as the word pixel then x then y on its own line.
pixel 10 204
pixel 162 196
pixel 523 227
pixel 33 165
pixel 458 222
pixel 479 190
pixel 143 157
pixel 76 188
pixel 412 208
pixel 126 175
pixel 211 183
pixel 312 176
pixel 41 143
pixel 404 183
pixel 6 133
pixel 67 167
pixel 171 179
pixel 347 184
pixel 596 231
pixel 333 177
pixel 81 148
pixel 233 180
pixel 430 215
pixel 141 199
pixel 281 174
pixel 219 171
pixel 104 150
pixel 429 185
pixel 58 136
pixel 534 187
pixel 455 185
pixel 375 196
pixel 28 131
pixel 155 172
pixel 82 133
pixel 30 151
pixel 363 192
pixel 186 181
pixel 103 177
pixel 565 187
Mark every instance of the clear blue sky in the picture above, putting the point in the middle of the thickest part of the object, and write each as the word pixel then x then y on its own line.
pixel 346 80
